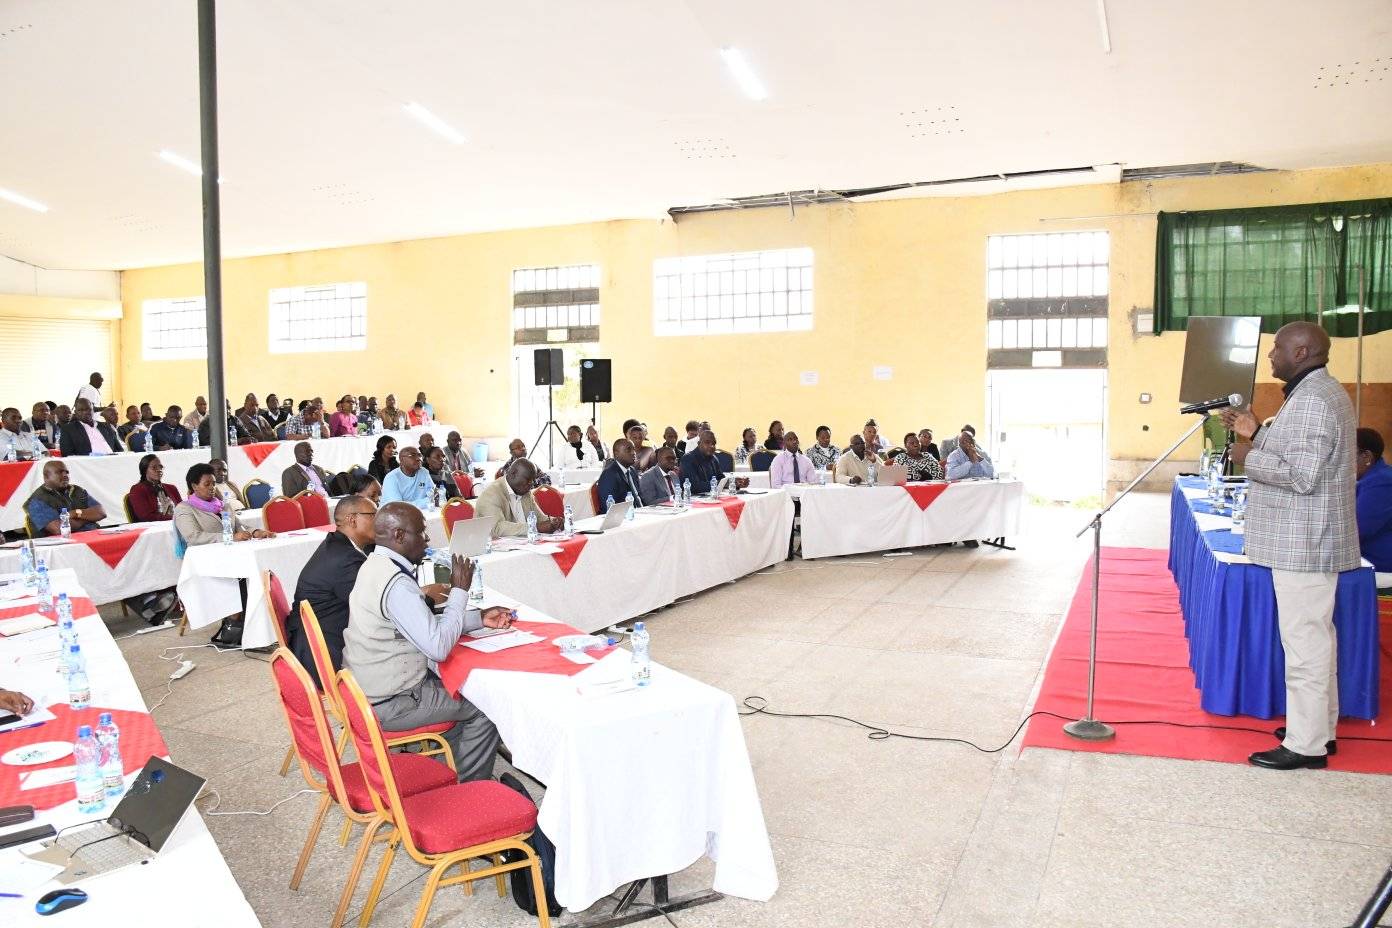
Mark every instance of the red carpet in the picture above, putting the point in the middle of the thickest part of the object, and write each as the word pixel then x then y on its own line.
pixel 1143 673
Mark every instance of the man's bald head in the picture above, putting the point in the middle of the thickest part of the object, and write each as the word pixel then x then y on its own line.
pixel 400 527
pixel 1299 347
pixel 520 475
pixel 354 518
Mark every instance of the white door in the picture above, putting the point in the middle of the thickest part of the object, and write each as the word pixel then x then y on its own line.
pixel 1046 427
pixel 529 406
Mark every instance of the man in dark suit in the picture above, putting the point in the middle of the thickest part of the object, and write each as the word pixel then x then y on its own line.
pixel 304 474
pixel 701 465
pixel 83 436
pixel 328 578
pixel 619 480
pixel 661 482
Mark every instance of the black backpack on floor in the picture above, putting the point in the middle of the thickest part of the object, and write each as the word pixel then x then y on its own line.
pixel 545 852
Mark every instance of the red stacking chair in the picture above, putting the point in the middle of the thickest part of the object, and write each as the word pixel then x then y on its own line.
pixel 282 514
pixel 465 484
pixel 455 510
pixel 313 507
pixel 442 828
pixel 550 501
pixel 279 608
pixel 344 784
pixel 594 498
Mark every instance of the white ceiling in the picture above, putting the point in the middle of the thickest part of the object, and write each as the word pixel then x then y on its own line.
pixel 578 111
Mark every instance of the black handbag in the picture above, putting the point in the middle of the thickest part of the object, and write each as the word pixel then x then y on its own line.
pixel 521 879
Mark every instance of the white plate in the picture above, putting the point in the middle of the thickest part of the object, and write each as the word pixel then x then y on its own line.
pixel 42 753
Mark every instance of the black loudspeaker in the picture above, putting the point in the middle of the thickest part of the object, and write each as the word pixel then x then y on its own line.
pixel 594 381
pixel 550 368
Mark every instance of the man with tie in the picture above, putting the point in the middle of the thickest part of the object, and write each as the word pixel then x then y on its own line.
pixel 790 465
pixel 304 474
pixel 660 482
pixel 701 465
pixel 82 436
pixel 619 481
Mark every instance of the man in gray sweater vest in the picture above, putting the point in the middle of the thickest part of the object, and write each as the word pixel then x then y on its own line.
pixel 393 636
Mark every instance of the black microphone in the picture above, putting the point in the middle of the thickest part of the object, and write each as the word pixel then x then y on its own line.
pixel 1233 399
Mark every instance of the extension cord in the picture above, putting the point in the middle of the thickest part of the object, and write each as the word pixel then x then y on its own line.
pixel 185 668
pixel 155 628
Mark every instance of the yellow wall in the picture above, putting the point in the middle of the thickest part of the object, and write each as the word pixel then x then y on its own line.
pixel 898 283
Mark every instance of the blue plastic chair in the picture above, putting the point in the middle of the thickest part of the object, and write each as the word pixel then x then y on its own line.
pixel 258 492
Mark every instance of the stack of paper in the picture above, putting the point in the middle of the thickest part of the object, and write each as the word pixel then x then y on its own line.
pixel 494 643
pixel 24 623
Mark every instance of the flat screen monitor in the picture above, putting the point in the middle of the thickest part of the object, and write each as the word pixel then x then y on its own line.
pixel 1220 357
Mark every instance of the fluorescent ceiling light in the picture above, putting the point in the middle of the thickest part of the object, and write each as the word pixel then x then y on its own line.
pixel 18 200
pixel 744 75
pixel 435 123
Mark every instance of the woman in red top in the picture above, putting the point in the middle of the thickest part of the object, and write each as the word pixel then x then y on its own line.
pixel 151 500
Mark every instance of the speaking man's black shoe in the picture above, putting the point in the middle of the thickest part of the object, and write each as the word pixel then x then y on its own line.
pixel 1330 747
pixel 1282 759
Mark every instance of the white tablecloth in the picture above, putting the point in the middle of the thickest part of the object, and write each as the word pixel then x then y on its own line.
pixel 108 478
pixel 648 563
pixel 149 564
pixel 639 783
pixel 189 883
pixel 838 519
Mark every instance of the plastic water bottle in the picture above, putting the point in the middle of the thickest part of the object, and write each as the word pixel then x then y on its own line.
pixel 608 502
pixel 193 439
pixel 91 794
pixel 64 524
pixel 67 631
pixel 231 434
pixel 871 470
pixel 38 447
pixel 531 528
pixel 26 563
pixel 1213 482
pixel 79 687
pixel 561 483
pixel 714 483
pixel 632 510
pixel 10 454
pixel 1239 511
pixel 569 528
pixel 1203 462
pixel 226 525
pixel 44 590
pixel 686 491
pixel 113 769
pixel 641 664
pixel 476 587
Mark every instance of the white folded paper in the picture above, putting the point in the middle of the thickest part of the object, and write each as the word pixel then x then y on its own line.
pixel 494 643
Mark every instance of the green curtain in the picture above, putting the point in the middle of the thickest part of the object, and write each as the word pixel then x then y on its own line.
pixel 1283 263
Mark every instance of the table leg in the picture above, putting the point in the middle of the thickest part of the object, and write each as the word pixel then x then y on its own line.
pixel 661 904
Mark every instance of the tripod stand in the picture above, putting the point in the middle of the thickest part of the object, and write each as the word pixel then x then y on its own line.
pixel 546 432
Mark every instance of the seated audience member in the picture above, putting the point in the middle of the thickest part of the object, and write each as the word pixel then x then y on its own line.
pixel 15 702
pixel 517 451
pixel 392 417
pixel 661 482
pixel 393 636
pixel 45 505
pixel 456 458
pixel 774 441
pixel 925 442
pixel 693 435
pixel 40 423
pixel 195 416
pixel 637 433
pixel 949 444
pixel 275 412
pixel 327 581
pixel 205 430
pixel 304 474
pixel 147 414
pixel 110 417
pixel 428 406
pixel 344 421
pixel 853 466
pixel 365 415
pixel 12 435
pixel 440 475
pixel 226 488
pixel 618 480
pixel 417 415
pixel 169 434
pixel 596 450
pixel 510 500
pixel 133 423
pixel 577 455
pixel 967 460
pixel 307 424
pixel 410 482
pixel 427 442
pixel 701 464
pixel 790 465
pixel 749 443
pixel 151 499
pixel 81 436
pixel 1373 500
pixel 383 459
pixel 366 486
pixel 199 517
pixel 250 418
pixel 669 438
pixel 873 441
pixel 919 465
pixel 823 453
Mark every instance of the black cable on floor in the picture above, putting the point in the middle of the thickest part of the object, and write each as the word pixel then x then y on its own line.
pixel 758 705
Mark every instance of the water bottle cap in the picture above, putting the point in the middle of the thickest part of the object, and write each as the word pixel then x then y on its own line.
pixel 74 648
pixel 104 718
pixel 62 596
pixel 638 626
pixel 63 511
pixel 84 731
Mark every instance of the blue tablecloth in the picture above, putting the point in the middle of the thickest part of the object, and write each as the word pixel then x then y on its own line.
pixel 1230 621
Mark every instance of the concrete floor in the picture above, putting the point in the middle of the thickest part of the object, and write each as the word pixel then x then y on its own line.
pixel 869 833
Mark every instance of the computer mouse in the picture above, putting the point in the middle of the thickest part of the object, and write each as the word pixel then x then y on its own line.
pixel 59 900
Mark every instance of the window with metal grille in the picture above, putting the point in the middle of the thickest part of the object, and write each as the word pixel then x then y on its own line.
pixel 750 291
pixel 555 304
pixel 324 317
pixel 174 329
pixel 1047 292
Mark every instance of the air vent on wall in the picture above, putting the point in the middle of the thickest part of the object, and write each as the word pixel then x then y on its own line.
pixel 10 32
pixel 1364 71
pixel 710 149
pixel 933 121
pixel 342 194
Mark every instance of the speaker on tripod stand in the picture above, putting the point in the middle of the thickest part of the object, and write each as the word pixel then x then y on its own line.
pixel 549 372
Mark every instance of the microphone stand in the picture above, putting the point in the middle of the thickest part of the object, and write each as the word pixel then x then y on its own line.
pixel 1088 728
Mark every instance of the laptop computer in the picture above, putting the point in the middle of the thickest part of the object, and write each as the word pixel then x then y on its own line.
pixel 892 475
pixel 136 831
pixel 612 519
pixel 469 537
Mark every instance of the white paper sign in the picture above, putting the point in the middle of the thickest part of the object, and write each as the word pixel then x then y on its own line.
pixel 809 378
pixel 883 372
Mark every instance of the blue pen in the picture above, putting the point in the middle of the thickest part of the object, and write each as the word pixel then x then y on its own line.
pixel 22 728
pixel 11 896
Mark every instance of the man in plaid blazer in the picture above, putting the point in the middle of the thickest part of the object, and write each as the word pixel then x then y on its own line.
pixel 1301 523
